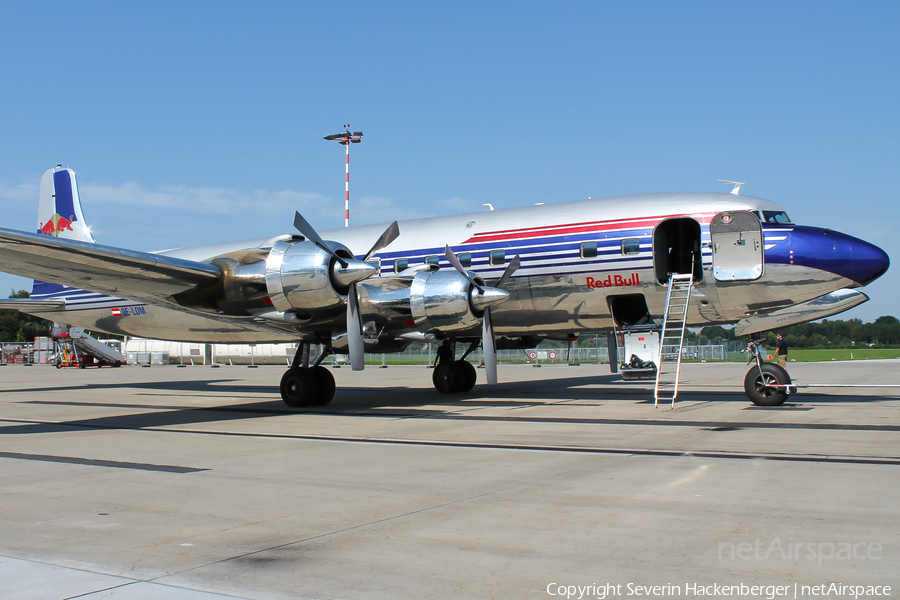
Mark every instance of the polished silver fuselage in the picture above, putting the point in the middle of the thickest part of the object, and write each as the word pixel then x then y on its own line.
pixel 556 292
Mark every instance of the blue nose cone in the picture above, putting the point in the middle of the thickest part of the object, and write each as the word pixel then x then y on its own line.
pixel 838 253
pixel 868 262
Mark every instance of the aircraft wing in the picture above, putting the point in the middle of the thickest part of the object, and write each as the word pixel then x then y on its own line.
pixel 113 271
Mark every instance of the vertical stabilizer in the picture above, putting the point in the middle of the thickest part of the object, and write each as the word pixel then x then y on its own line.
pixel 59 208
pixel 59 215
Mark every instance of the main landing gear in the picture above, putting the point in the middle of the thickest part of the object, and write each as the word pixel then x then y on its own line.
pixel 453 376
pixel 305 385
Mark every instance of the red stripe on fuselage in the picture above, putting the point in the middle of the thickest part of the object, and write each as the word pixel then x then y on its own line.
pixel 514 234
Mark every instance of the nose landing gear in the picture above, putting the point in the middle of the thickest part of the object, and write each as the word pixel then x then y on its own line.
pixel 760 382
pixel 766 384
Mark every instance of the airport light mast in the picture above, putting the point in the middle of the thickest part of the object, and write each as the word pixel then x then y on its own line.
pixel 345 139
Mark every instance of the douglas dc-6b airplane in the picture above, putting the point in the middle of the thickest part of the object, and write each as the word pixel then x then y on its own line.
pixel 543 271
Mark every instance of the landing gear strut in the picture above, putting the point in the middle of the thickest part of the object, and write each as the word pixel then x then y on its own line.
pixel 453 376
pixel 305 385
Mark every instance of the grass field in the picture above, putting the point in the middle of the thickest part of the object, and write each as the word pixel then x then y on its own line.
pixel 842 354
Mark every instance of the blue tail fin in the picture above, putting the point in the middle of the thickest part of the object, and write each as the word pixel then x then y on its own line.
pixel 60 215
pixel 59 207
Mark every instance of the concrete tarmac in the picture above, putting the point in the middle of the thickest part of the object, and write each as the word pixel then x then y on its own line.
pixel 198 483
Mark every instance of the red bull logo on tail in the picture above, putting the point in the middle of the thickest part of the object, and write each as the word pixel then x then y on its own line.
pixel 56 225
pixel 614 281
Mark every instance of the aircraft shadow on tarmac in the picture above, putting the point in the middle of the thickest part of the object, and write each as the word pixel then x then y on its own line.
pixel 587 388
pixel 405 402
pixel 354 399
pixel 571 388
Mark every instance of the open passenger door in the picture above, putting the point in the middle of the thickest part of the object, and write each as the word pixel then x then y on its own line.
pixel 737 248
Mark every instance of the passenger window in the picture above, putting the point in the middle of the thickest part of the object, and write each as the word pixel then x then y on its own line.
pixel 465 259
pixel 497 257
pixel 589 250
pixel 631 246
pixel 401 264
pixel 432 260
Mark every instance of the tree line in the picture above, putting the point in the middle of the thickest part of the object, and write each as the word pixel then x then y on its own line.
pixel 19 327
pixel 883 332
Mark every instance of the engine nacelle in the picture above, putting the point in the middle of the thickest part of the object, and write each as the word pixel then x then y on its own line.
pixel 294 276
pixel 302 277
pixel 443 301
pixel 434 301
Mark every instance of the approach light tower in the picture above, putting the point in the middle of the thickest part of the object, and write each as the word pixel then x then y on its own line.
pixel 345 139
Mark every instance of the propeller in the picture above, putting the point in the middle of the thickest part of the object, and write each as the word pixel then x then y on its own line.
pixel 351 272
pixel 355 340
pixel 486 298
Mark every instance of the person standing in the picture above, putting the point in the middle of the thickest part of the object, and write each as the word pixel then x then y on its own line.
pixel 781 349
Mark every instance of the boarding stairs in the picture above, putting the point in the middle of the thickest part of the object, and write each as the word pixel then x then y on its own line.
pixel 671 340
pixel 91 346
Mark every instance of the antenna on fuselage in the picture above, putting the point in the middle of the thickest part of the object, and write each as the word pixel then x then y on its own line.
pixel 737 186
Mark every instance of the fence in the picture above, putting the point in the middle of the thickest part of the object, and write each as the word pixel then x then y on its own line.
pixel 416 354
pixel 425 355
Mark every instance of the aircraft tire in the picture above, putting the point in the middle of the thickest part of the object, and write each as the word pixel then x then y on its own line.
pixel 757 389
pixel 298 387
pixel 325 386
pixel 444 377
pixel 468 375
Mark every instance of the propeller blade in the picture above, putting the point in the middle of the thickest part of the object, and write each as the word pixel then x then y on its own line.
pixel 355 340
pixel 488 345
pixel 511 268
pixel 303 226
pixel 390 234
pixel 458 266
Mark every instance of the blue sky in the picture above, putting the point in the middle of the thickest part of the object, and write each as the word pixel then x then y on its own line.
pixel 196 122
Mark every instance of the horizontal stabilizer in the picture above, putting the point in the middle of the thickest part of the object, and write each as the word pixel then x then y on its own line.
pixel 29 306
pixel 818 308
pixel 113 271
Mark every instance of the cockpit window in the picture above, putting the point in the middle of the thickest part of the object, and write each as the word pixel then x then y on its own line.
pixel 775 216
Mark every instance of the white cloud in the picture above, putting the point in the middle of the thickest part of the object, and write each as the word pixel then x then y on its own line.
pixel 200 199
pixel 20 194
pixel 223 201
